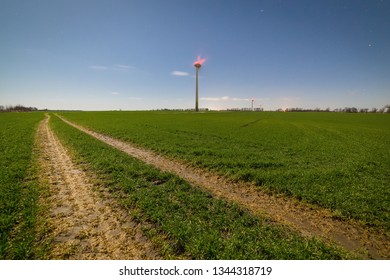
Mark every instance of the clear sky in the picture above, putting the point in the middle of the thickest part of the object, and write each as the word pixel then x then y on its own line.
pixel 136 55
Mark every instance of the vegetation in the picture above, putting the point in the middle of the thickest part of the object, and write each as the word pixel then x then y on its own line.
pixel 186 222
pixel 17 108
pixel 19 188
pixel 385 109
pixel 339 161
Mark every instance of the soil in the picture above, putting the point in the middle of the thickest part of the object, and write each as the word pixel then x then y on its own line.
pixel 85 222
pixel 310 220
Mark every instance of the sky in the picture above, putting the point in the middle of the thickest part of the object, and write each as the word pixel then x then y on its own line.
pixel 139 55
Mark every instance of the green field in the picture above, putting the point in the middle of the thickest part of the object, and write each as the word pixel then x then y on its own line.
pixel 19 188
pixel 333 160
pixel 336 160
pixel 184 221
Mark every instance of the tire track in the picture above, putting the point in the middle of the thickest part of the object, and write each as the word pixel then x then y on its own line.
pixel 85 224
pixel 310 221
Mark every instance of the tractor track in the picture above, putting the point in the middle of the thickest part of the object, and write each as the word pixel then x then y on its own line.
pixel 85 222
pixel 366 242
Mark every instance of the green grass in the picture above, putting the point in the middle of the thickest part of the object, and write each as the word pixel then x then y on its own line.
pixel 336 160
pixel 186 221
pixel 19 187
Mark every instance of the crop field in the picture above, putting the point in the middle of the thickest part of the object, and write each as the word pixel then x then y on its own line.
pixel 338 161
pixel 19 190
pixel 67 193
pixel 198 225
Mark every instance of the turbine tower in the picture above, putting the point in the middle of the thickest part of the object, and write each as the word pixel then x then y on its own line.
pixel 197 64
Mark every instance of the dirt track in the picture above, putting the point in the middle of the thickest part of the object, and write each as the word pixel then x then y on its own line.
pixel 310 221
pixel 86 223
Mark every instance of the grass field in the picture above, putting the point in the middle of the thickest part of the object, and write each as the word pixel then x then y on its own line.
pixel 19 187
pixel 185 221
pixel 339 161
pixel 336 161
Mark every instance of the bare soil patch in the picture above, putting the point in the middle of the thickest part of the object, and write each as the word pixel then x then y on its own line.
pixel 86 223
pixel 367 242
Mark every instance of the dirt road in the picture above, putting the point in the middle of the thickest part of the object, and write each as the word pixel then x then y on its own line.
pixel 86 223
pixel 310 221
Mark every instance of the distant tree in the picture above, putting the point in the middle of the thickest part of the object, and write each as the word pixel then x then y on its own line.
pixel 374 110
pixel 387 109
pixel 17 108
pixel 350 110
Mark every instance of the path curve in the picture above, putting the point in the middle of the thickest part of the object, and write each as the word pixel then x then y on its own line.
pixel 310 221
pixel 86 223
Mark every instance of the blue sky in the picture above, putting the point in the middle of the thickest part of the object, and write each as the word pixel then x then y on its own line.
pixel 136 55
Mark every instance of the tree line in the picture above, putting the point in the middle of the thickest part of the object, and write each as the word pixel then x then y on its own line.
pixel 17 108
pixel 385 109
